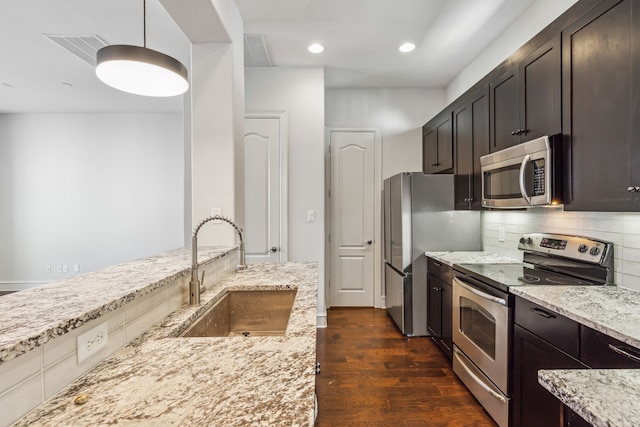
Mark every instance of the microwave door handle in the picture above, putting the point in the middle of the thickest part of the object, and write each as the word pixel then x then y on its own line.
pixel 523 190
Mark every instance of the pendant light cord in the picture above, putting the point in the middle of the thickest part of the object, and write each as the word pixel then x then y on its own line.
pixel 144 23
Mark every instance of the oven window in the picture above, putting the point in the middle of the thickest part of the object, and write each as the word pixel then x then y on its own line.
pixel 478 325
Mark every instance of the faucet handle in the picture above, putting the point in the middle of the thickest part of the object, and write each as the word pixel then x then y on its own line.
pixel 202 288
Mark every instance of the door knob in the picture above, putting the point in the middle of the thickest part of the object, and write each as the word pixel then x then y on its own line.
pixel 369 242
pixel 274 249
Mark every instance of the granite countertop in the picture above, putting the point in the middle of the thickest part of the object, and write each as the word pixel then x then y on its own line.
pixel 26 322
pixel 604 397
pixel 471 257
pixel 162 380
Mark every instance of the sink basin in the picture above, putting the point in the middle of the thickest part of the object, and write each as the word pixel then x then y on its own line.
pixel 245 313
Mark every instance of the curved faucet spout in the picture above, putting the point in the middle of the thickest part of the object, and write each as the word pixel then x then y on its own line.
pixel 194 284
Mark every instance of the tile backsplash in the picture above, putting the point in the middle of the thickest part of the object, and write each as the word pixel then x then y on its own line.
pixel 622 229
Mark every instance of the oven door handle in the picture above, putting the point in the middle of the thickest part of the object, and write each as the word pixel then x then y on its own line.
pixel 523 190
pixel 481 294
pixel 478 380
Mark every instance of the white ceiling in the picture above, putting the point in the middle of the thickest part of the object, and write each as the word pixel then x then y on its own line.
pixel 361 39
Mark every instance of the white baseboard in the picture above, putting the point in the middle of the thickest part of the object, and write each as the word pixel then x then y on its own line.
pixel 321 320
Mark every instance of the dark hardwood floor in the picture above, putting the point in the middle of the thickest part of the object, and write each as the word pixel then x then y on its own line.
pixel 371 375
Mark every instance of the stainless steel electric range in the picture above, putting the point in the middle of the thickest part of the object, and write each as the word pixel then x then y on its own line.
pixel 483 307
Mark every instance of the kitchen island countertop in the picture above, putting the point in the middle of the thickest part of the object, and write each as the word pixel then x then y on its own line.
pixel 159 379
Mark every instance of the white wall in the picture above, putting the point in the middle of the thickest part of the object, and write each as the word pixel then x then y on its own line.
pixel 540 14
pixel 399 115
pixel 87 189
pixel 300 92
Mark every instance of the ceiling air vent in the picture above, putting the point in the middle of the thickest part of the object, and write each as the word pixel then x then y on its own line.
pixel 84 47
pixel 256 51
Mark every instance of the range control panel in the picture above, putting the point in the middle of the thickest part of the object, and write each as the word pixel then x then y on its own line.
pixel 574 247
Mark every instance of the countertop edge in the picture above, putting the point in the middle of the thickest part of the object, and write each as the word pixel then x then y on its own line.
pixel 14 347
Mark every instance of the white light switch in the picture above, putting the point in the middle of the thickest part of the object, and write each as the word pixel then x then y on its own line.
pixel 311 216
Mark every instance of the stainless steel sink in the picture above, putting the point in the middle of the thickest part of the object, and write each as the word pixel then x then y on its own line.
pixel 245 313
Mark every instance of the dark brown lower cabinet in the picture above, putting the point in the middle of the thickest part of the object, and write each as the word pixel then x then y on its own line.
pixel 440 305
pixel 533 405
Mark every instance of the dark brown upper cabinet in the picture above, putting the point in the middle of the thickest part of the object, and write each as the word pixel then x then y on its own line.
pixel 601 113
pixel 437 144
pixel 471 141
pixel 525 102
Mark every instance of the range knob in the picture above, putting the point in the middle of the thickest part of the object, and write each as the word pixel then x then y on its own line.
pixel 594 250
pixel 526 240
pixel 582 248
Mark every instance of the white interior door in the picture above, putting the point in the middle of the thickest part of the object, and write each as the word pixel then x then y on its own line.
pixel 265 188
pixel 352 218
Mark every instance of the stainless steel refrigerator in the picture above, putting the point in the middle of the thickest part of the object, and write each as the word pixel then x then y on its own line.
pixel 419 216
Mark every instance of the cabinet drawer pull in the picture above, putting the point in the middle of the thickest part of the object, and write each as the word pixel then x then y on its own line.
pixel 633 189
pixel 542 313
pixel 624 353
pixel 435 164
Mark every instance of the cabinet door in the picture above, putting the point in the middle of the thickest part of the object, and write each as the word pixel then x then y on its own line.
pixel 445 144
pixel 505 118
pixel 533 405
pixel 429 150
pixel 471 141
pixel 437 144
pixel 540 92
pixel 601 66
pixel 434 314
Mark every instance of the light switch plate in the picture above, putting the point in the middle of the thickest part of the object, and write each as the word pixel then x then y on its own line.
pixel 501 234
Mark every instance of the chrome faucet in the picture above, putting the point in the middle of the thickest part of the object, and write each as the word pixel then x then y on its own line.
pixel 194 284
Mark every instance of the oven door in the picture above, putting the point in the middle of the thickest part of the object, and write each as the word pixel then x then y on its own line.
pixel 481 317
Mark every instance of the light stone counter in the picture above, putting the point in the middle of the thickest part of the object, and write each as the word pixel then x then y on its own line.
pixel 31 318
pixel 470 257
pixel 236 381
pixel 604 397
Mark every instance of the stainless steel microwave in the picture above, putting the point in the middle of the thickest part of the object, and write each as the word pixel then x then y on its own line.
pixel 525 175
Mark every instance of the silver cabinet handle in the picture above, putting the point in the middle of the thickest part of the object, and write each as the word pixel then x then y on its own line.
pixel 482 294
pixel 624 353
pixel 523 190
pixel 481 383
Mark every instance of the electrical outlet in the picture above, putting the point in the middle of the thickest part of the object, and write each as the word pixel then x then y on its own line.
pixel 311 216
pixel 65 268
pixel 76 267
pixel 59 268
pixel 92 341
pixel 227 264
pixel 501 234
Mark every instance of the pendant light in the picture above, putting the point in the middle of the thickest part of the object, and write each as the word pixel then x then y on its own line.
pixel 140 70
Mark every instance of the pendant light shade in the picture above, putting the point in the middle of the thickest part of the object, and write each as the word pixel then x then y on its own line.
pixel 140 70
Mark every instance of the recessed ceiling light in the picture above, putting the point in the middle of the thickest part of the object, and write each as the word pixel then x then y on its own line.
pixel 315 48
pixel 406 47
